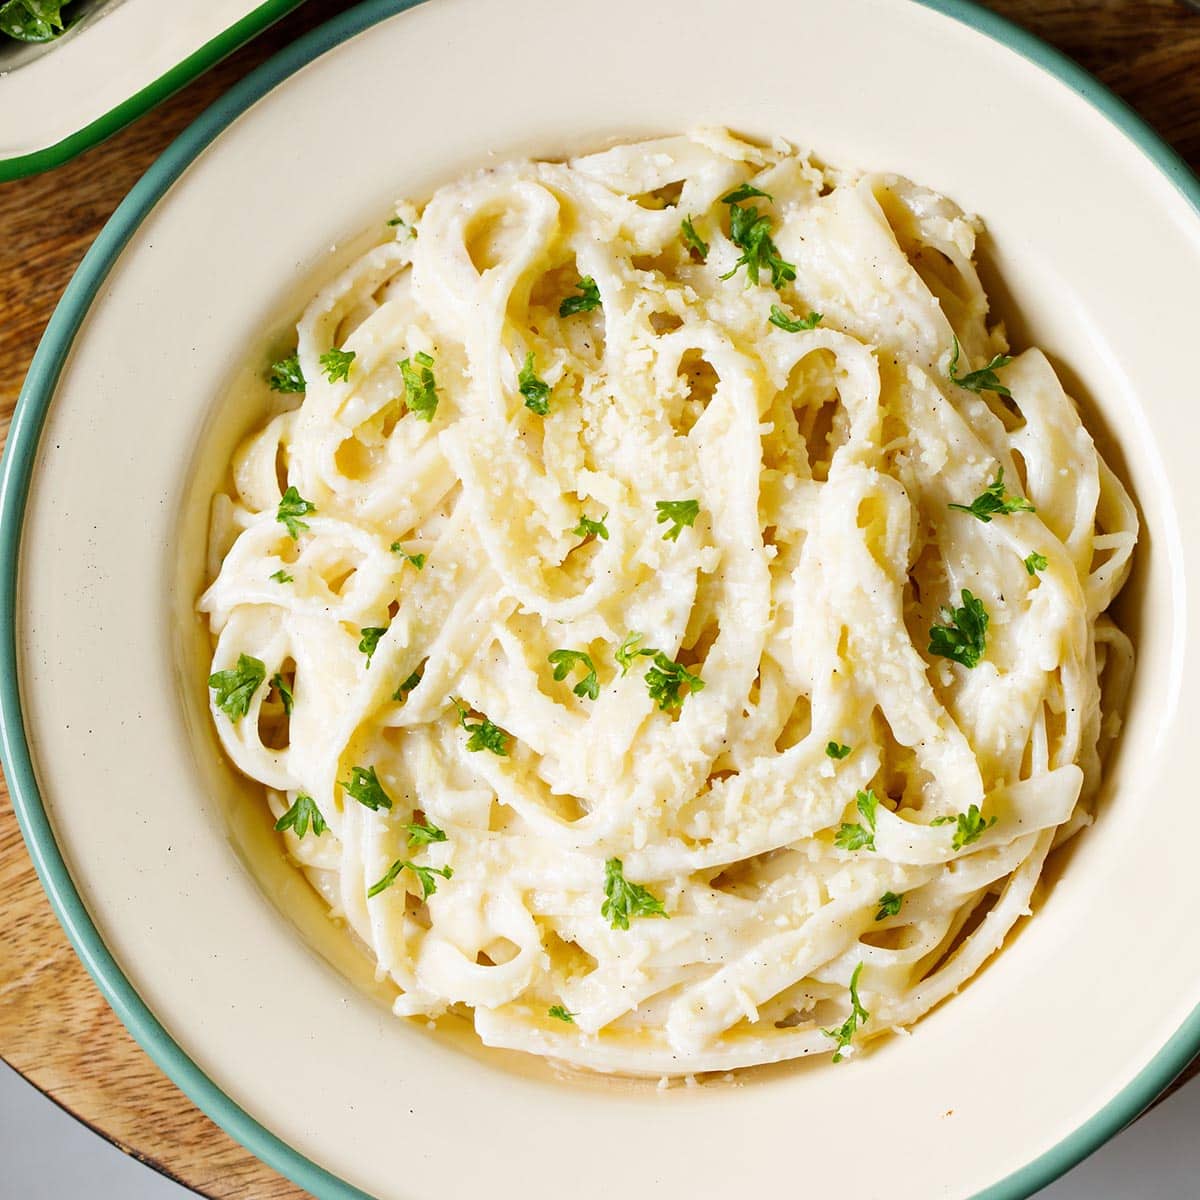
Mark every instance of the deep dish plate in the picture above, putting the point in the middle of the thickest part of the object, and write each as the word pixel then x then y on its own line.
pixel 1095 235
pixel 117 59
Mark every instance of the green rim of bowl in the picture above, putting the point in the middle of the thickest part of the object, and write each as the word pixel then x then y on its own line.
pixel 19 461
pixel 196 63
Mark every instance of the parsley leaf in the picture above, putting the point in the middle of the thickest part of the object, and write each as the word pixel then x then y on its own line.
pixel 588 298
pixel 970 826
pixel 628 650
pixel 484 735
pixel 564 660
pixel 394 221
pixel 336 364
pixel 370 641
pixel 666 678
pixel 750 231
pixel 983 380
pixel 285 693
pixel 780 318
pixel 32 20
pixel 407 686
pixel 993 501
pixel 236 686
pixel 697 247
pixel 746 192
pixel 559 1013
pixel 836 750
pixel 417 560
pixel 889 905
pixel 286 375
pixel 1036 562
pixel 589 528
pixel 297 817
pixel 679 513
pixel 281 576
pixel 536 391
pixel 421 833
pixel 859 837
pixel 364 786
pixel 293 506
pixel 424 877
pixel 624 899
pixel 844 1033
pixel 420 387
pixel 964 636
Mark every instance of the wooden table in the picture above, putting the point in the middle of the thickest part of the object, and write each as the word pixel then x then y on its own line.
pixel 55 1028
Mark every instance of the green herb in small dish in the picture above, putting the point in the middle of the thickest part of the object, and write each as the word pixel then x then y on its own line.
pixel 33 20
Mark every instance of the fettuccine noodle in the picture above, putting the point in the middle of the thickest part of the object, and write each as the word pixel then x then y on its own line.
pixel 800 792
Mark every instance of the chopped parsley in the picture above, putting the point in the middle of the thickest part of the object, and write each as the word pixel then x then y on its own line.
pixel 535 390
pixel 750 231
pixel 424 877
pixel 624 899
pixel 364 786
pixel 844 1033
pixel 970 826
pixel 697 247
pixel 559 1013
pixel 780 318
pixel 666 679
pixel 678 513
pixel 417 560
pixel 836 750
pixel 281 576
pixel 983 380
pixel 297 817
pixel 336 364
pixel 484 735
pixel 859 837
pixel 964 636
pixel 746 192
pixel 588 298
pixel 407 686
pixel 285 693
pixel 422 833
pixel 286 375
pixel 236 686
pixel 889 905
pixel 628 650
pixel 1036 562
pixel 993 502
pixel 394 221
pixel 564 661
pixel 293 506
pixel 370 641
pixel 589 528
pixel 420 387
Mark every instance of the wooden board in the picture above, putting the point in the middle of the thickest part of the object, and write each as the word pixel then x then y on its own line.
pixel 55 1028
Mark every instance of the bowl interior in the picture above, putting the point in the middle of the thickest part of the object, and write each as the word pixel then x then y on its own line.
pixel 173 855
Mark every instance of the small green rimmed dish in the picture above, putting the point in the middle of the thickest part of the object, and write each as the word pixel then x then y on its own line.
pixel 115 60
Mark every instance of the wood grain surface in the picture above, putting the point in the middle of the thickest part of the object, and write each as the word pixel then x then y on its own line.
pixel 55 1027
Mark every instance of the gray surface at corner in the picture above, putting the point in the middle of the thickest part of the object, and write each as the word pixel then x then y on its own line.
pixel 47 1155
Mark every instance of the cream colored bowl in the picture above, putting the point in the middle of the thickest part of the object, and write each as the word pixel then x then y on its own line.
pixel 217 954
